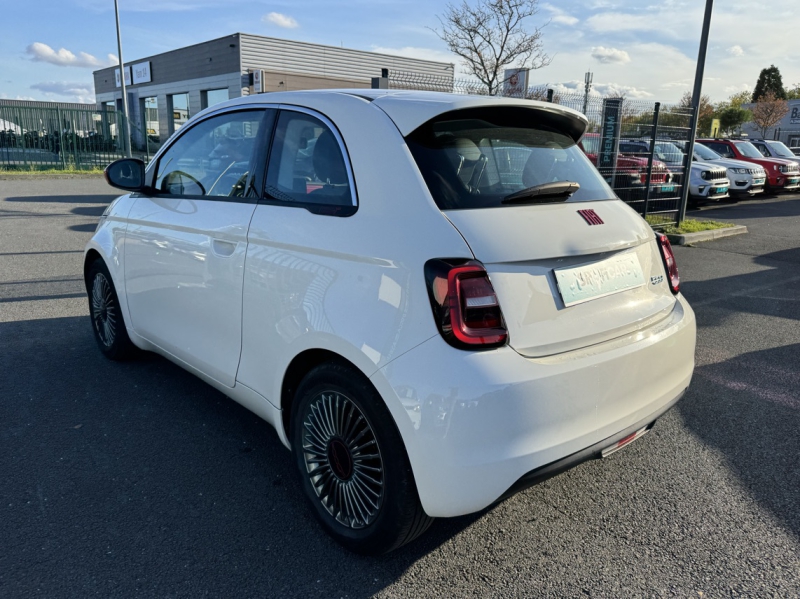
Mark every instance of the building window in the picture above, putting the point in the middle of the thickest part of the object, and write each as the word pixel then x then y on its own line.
pixel 179 104
pixel 214 96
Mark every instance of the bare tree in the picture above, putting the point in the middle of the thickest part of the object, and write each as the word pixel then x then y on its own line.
pixel 768 111
pixel 490 36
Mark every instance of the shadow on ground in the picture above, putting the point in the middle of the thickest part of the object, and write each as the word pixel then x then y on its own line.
pixel 66 199
pixel 110 464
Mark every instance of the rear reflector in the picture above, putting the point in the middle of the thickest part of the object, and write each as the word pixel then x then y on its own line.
pixel 464 304
pixel 625 441
pixel 670 265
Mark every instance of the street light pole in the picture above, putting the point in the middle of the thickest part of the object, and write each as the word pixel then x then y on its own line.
pixel 127 128
pixel 696 92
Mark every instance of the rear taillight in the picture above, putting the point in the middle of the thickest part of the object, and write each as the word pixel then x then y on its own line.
pixel 669 263
pixel 464 304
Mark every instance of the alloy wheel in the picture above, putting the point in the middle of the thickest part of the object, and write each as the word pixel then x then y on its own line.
pixel 104 310
pixel 343 460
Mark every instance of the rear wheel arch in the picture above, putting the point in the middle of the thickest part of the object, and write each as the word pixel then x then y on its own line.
pixel 298 368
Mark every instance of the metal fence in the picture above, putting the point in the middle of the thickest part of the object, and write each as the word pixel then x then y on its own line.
pixel 55 137
pixel 638 146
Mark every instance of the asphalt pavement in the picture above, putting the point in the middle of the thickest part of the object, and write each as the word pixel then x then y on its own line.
pixel 138 480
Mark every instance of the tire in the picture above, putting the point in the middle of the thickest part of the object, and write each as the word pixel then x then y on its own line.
pixel 106 315
pixel 365 499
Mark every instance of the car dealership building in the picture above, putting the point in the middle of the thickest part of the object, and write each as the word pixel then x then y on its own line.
pixel 166 89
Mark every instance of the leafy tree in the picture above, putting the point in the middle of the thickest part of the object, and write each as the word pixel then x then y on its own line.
pixel 736 100
pixel 794 93
pixel 490 35
pixel 732 118
pixel 704 115
pixel 768 112
pixel 769 80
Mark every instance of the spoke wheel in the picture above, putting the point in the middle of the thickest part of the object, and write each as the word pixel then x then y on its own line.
pixel 105 313
pixel 343 460
pixel 352 462
pixel 104 310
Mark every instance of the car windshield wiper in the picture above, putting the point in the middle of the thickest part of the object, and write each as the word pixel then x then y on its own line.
pixel 560 190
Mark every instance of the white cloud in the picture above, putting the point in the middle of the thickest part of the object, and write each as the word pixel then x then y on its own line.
pixel 610 55
pixel 735 89
pixel 5 96
pixel 40 52
pixel 560 16
pixel 735 51
pixel 66 90
pixel 600 89
pixel 280 20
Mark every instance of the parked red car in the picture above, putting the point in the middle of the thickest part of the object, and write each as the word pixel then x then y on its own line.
pixel 782 174
pixel 631 172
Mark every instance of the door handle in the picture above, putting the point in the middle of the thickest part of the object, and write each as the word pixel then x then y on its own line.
pixel 222 248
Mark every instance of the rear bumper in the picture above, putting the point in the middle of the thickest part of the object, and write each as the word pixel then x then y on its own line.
pixel 477 425
pixel 541 474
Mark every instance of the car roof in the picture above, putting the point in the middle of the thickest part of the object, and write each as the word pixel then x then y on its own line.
pixel 410 108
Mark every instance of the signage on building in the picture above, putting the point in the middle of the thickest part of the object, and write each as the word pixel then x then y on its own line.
pixel 609 137
pixel 141 72
pixel 515 82
pixel 258 81
pixel 127 76
pixel 795 117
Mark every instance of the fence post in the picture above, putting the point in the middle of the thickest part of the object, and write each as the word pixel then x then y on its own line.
pixel 549 95
pixel 61 138
pixel 22 138
pixel 656 111
pixel 687 164
pixel 75 152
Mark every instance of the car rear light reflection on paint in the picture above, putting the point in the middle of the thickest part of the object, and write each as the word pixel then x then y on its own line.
pixel 464 304
pixel 670 265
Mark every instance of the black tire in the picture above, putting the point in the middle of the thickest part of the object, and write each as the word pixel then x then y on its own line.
pixel 106 315
pixel 355 473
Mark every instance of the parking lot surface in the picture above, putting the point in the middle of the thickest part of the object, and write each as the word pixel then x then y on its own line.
pixel 137 479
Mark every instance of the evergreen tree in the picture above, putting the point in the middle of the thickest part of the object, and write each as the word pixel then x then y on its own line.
pixel 769 80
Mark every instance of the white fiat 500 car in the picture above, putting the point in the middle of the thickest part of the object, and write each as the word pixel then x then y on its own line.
pixel 435 299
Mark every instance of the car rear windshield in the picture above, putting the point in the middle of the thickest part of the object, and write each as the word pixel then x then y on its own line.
pixel 476 158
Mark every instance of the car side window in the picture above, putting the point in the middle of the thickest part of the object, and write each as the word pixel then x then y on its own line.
pixel 722 149
pixel 214 158
pixel 762 148
pixel 306 164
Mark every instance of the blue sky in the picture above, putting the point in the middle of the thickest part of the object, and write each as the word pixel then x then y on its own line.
pixel 49 48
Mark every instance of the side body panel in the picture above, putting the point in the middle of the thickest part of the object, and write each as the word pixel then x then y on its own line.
pixel 352 285
pixel 183 279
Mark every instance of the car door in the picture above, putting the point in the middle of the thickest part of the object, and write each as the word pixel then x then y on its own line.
pixel 186 241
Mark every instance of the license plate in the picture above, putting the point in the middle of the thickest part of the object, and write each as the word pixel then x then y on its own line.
pixel 720 190
pixel 758 181
pixel 584 283
pixel 792 181
pixel 667 188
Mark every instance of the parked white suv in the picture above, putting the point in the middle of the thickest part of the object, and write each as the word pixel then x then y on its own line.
pixel 746 178
pixel 708 182
pixel 435 299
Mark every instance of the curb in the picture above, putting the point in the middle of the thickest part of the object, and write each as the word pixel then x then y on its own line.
pixel 687 238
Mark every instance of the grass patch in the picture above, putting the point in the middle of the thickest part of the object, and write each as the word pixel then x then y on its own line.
pixel 689 225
